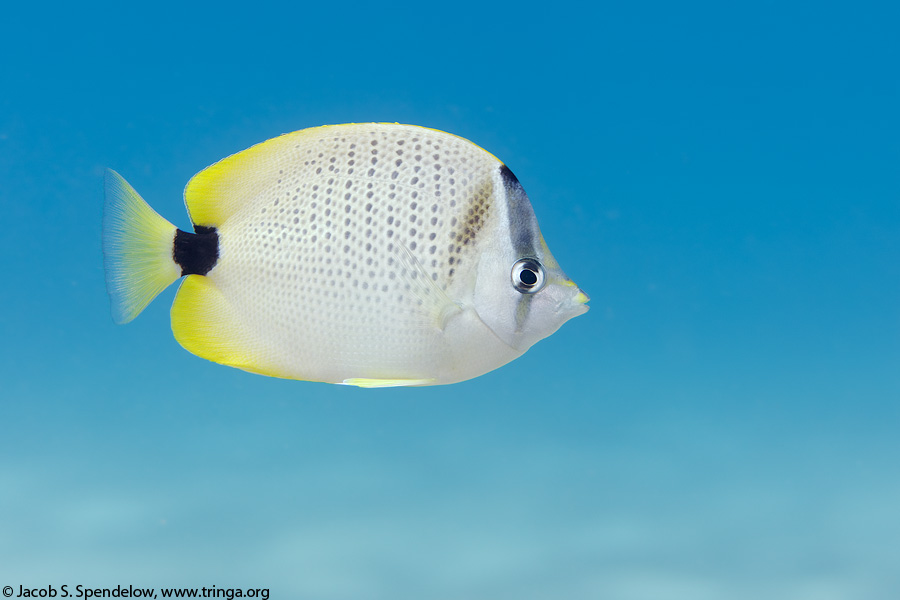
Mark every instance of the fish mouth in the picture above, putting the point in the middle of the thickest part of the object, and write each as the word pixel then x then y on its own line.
pixel 581 299
pixel 575 305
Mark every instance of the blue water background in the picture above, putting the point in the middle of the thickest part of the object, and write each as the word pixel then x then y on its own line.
pixel 722 179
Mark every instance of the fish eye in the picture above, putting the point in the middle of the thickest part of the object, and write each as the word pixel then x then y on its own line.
pixel 527 276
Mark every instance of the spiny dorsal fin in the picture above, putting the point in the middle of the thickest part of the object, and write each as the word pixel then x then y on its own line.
pixel 220 190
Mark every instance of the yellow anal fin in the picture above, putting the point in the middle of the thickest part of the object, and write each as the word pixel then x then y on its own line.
pixel 205 323
pixel 378 383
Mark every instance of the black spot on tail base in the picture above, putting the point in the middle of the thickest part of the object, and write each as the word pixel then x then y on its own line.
pixel 196 253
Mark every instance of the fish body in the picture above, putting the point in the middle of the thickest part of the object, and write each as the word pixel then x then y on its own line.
pixel 367 254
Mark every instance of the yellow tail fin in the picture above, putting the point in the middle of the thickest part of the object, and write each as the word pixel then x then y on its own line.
pixel 137 250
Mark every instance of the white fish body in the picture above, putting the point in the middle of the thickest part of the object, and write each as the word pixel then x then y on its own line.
pixel 368 254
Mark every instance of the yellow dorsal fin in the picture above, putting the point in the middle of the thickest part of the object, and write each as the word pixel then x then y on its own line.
pixel 220 190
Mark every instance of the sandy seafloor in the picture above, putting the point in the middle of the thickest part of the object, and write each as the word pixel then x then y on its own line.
pixel 722 425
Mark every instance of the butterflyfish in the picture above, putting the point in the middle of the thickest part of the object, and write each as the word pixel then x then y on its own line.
pixel 366 254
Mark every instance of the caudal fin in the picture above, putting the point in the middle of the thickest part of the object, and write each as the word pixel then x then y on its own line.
pixel 137 250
